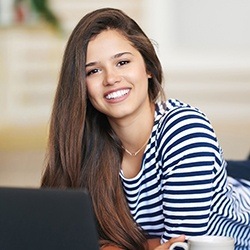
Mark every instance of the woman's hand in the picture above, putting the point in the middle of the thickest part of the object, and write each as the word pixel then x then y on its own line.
pixel 153 244
pixel 166 245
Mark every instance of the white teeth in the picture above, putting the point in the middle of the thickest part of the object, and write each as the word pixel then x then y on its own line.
pixel 117 94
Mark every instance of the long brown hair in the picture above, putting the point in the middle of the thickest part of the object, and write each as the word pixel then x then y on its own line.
pixel 83 150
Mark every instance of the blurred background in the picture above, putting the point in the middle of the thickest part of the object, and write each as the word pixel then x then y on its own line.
pixel 204 47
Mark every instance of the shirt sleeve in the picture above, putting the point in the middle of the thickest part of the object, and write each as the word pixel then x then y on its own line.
pixel 191 158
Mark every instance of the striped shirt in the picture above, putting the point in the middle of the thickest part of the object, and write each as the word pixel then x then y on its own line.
pixel 183 187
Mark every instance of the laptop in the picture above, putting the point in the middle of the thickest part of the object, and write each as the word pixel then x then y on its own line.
pixel 46 219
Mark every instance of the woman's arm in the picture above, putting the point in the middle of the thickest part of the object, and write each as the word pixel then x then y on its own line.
pixel 153 244
pixel 191 159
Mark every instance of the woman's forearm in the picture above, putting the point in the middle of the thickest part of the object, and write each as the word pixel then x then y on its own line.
pixel 153 243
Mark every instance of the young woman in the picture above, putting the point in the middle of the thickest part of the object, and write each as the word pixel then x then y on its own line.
pixel 153 168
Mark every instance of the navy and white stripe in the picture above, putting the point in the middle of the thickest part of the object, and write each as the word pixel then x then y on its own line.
pixel 183 187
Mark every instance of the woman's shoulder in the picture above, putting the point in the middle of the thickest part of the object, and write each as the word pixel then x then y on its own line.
pixel 182 128
pixel 174 110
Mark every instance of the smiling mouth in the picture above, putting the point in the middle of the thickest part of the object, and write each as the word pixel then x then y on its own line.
pixel 117 94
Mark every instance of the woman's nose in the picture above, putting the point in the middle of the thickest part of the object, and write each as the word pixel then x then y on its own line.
pixel 111 77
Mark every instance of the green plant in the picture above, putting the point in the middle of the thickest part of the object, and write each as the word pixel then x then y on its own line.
pixel 44 11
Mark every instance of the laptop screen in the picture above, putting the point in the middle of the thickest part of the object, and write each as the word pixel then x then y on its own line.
pixel 46 219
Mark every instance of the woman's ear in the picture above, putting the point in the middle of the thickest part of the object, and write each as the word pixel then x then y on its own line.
pixel 149 75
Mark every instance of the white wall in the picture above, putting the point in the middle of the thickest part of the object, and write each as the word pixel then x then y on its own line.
pixel 205 49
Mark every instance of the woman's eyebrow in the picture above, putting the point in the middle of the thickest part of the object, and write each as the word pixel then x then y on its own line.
pixel 112 57
pixel 121 54
pixel 90 64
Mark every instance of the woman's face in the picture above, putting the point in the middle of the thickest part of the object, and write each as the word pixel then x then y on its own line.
pixel 116 76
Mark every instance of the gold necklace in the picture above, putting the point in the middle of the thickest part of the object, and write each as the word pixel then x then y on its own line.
pixel 138 151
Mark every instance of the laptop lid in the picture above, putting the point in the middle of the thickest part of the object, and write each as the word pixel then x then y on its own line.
pixel 44 219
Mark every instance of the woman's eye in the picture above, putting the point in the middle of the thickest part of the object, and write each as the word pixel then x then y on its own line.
pixel 91 72
pixel 122 63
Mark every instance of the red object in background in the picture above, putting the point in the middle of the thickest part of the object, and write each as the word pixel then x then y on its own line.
pixel 21 12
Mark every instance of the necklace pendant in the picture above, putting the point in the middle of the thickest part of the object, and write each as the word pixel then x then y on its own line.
pixel 134 154
pixel 138 151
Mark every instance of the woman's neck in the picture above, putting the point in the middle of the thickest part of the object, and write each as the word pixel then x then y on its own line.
pixel 134 130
